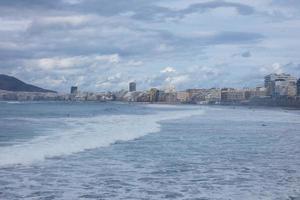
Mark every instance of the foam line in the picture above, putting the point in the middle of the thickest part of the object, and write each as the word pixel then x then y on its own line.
pixel 82 134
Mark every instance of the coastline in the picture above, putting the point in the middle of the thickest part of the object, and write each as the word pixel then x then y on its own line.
pixel 233 105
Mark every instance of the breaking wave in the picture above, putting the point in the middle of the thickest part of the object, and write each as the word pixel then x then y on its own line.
pixel 81 134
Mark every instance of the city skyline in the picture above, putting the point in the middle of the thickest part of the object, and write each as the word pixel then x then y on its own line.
pixel 266 83
pixel 103 45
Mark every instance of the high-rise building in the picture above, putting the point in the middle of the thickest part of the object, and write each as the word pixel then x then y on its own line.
pixel 132 87
pixel 283 87
pixel 298 87
pixel 153 95
pixel 280 84
pixel 74 90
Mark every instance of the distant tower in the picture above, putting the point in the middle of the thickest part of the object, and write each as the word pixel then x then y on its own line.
pixel 132 87
pixel 74 90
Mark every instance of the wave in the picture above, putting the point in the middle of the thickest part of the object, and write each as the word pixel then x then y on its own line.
pixel 13 102
pixel 81 134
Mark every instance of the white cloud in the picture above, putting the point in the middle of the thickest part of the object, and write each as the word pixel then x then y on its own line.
pixel 113 58
pixel 164 48
pixel 168 70
pixel 134 63
pixel 274 68
pixel 72 62
pixel 177 80
pixel 13 24
pixel 73 20
pixel 54 82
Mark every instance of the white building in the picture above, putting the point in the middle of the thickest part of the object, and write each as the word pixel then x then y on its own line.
pixel 280 85
pixel 284 88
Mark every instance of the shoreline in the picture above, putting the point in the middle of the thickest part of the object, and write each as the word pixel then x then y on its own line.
pixel 233 105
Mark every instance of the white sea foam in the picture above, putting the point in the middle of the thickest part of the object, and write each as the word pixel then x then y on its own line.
pixel 82 134
pixel 13 102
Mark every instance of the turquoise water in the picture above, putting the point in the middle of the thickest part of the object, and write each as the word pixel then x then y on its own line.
pixel 51 150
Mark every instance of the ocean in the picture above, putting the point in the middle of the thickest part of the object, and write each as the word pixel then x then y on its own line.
pixel 89 150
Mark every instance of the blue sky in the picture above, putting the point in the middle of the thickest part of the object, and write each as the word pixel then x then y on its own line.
pixel 102 45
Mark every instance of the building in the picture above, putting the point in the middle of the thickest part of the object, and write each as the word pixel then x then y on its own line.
pixel 153 95
pixel 213 95
pixel 204 96
pixel 260 92
pixel 143 97
pixel 270 83
pixel 272 77
pixel 224 93
pixel 74 90
pixel 298 87
pixel 196 95
pixel 161 96
pixel 131 96
pixel 194 92
pixel 255 92
pixel 282 87
pixel 232 95
pixel 132 87
pixel 168 97
pixel 182 97
pixel 236 95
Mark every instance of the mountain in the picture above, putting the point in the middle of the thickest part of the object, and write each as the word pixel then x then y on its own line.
pixel 11 83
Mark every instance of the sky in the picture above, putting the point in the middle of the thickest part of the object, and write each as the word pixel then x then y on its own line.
pixel 102 45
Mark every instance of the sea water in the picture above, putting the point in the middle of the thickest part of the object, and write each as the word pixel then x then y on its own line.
pixel 82 150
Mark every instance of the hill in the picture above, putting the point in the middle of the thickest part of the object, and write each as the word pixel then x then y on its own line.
pixel 11 83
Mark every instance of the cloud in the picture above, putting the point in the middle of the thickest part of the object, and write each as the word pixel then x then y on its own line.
pixel 289 3
pixel 168 70
pixel 80 35
pixel 138 9
pixel 30 3
pixel 230 37
pixel 156 13
pixel 193 77
pixel 103 44
pixel 10 25
pixel 274 68
pixel 292 68
pixel 201 7
pixel 90 73
pixel 59 22
pixel 246 54
pixel 57 63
